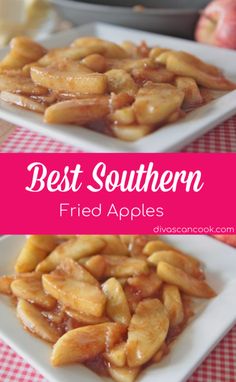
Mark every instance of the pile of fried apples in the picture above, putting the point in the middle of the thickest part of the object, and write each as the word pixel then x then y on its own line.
pixel 112 303
pixel 126 90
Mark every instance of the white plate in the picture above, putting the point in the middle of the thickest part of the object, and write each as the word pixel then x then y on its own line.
pixel 211 323
pixel 169 138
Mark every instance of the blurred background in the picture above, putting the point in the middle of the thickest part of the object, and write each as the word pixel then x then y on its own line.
pixel 212 22
pixel 176 18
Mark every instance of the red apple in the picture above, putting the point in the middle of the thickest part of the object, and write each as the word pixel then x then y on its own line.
pixel 217 24
pixel 228 239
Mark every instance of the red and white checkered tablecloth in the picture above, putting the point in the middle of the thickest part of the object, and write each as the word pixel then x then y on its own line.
pixel 220 139
pixel 220 366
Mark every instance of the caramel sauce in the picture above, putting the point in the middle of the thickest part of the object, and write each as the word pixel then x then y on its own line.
pixel 98 365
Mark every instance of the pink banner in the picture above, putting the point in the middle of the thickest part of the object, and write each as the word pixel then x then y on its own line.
pixel 118 193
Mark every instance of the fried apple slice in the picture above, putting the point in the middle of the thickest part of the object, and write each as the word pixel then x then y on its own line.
pixel 79 111
pixel 66 237
pixel 95 62
pixel 193 97
pixel 123 374
pixel 5 284
pixel 75 248
pixel 178 260
pixel 29 257
pixel 86 110
pixel 156 75
pixel 184 64
pixel 203 66
pixel 17 83
pixel 73 82
pixel 154 105
pixel 162 57
pixel 77 295
pixel 131 48
pixel 28 276
pixel 173 303
pixel 160 245
pixel 131 133
pixel 146 285
pixel 117 355
pixel 127 240
pixel 70 269
pixel 119 81
pixel 129 64
pixel 110 49
pixel 84 319
pixel 117 307
pixel 147 332
pixel 23 51
pixel 22 101
pixel 185 282
pixel 114 246
pixel 155 53
pixel 45 242
pixel 123 116
pixel 32 291
pixel 35 322
pixel 155 246
pixel 96 265
pixel 69 66
pixel 122 266
pixel 83 344
pixel 72 54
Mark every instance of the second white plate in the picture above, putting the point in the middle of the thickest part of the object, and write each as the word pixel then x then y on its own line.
pixel 169 138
